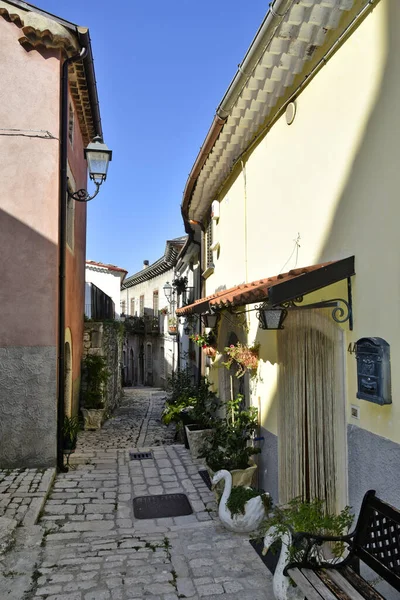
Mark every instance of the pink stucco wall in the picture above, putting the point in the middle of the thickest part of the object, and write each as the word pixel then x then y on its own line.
pixel 29 100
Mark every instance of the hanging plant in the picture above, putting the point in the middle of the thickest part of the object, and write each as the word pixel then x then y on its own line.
pixel 180 283
pixel 204 340
pixel 245 357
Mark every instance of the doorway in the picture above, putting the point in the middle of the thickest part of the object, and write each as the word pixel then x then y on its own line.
pixel 311 413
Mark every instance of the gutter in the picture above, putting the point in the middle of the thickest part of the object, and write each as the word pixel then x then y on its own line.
pixel 272 21
pixel 88 63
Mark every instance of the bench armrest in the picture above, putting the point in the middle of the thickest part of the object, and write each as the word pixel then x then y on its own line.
pixel 319 539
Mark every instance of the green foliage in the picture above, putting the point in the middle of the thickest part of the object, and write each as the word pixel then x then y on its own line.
pixel 204 340
pixel 185 394
pixel 312 517
pixel 241 494
pixel 227 447
pixel 244 357
pixel 70 431
pixel 94 377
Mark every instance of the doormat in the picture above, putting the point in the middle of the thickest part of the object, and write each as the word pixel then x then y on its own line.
pixel 140 455
pixel 270 560
pixel 163 505
pixel 206 478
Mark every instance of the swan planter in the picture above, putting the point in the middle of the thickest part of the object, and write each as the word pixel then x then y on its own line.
pixel 253 511
pixel 283 589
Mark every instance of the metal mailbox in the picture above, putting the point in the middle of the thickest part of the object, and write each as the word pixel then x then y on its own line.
pixel 373 370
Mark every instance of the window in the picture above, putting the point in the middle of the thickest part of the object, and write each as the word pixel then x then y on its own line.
pixel 132 307
pixel 70 222
pixel 155 303
pixel 71 124
pixel 123 307
pixel 141 308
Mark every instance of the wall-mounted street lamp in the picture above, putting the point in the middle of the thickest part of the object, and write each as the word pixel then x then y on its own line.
pixel 168 292
pixel 271 318
pixel 98 157
pixel 209 319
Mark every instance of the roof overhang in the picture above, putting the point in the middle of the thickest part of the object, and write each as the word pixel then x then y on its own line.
pixel 294 41
pixel 276 290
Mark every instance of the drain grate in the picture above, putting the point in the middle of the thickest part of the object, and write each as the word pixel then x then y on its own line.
pixel 140 455
pixel 206 478
pixel 160 506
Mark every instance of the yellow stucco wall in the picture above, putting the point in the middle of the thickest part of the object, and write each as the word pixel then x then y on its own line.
pixel 332 177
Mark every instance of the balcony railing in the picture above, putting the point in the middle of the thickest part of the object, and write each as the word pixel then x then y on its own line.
pixel 142 325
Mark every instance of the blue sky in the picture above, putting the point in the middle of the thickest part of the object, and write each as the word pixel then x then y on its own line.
pixel 162 69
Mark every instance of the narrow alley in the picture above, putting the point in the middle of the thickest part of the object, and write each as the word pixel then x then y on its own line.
pixel 88 545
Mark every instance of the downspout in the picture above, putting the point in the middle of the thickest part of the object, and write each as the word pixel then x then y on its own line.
pixel 62 250
pixel 276 13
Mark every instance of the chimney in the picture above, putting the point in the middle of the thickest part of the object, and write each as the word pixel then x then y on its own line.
pixel 145 264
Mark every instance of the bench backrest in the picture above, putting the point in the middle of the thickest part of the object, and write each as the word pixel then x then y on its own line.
pixel 377 538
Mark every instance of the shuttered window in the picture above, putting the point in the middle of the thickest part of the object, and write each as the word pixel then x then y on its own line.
pixel 141 306
pixel 132 307
pixel 155 303
pixel 209 254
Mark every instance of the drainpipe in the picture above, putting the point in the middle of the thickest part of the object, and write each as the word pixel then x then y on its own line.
pixel 62 250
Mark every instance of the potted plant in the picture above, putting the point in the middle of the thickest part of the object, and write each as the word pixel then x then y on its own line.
pixel 95 376
pixel 70 430
pixel 201 417
pixel 164 311
pixel 228 445
pixel 207 342
pixel 245 357
pixel 297 516
pixel 172 326
pixel 180 284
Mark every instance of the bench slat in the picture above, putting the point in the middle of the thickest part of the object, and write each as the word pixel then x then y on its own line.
pixel 345 585
pixel 309 591
pixel 361 585
pixel 320 585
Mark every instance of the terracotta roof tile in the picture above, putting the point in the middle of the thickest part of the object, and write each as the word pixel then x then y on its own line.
pixel 246 293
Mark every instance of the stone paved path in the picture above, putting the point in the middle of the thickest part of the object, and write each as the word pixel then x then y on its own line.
pixel 93 548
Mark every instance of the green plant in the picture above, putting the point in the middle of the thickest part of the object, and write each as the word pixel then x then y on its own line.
pixel 245 357
pixel 180 283
pixel 204 340
pixel 94 377
pixel 240 495
pixel 228 445
pixel 172 322
pixel 70 430
pixel 310 516
pixel 198 399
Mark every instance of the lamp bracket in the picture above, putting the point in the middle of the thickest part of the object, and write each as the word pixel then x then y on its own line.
pixel 83 195
pixel 341 313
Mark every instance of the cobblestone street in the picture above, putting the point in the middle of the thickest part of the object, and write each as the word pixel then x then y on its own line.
pixel 89 546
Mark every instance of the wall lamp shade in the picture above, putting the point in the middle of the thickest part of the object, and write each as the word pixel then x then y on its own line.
pixel 168 291
pixel 210 320
pixel 272 318
pixel 98 157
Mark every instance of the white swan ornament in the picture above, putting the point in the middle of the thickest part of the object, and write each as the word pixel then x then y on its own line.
pixel 283 589
pixel 254 511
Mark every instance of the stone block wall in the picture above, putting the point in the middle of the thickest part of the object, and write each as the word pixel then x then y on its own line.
pixel 105 339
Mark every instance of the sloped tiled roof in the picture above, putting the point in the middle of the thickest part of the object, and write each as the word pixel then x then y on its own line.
pixel 105 266
pixel 306 26
pixel 259 291
pixel 160 266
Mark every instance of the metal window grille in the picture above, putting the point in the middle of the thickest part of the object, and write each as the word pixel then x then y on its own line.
pixel 101 306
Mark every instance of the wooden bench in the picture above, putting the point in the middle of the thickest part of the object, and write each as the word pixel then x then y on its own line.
pixel 374 541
